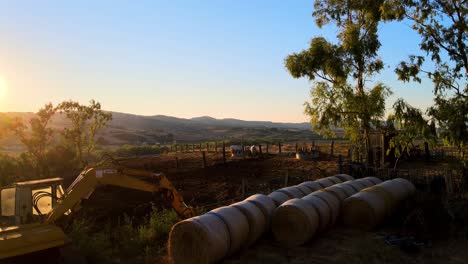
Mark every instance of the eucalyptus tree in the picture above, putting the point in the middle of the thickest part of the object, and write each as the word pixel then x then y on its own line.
pixel 341 94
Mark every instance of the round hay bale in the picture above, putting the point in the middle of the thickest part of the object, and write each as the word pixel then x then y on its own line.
pixel 390 202
pixel 266 204
pixel 237 225
pixel 364 210
pixel 312 185
pixel 374 180
pixel 355 185
pixel 332 201
pixel 255 218
pixel 325 182
pixel 334 179
pixel 349 190
pixel 198 240
pixel 338 192
pixel 365 182
pixel 278 197
pixel 294 222
pixel 291 192
pixel 323 211
pixel 410 186
pixel 344 177
pixel 397 190
pixel 303 188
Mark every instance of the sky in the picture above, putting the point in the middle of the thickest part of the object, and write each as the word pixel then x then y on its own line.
pixel 219 58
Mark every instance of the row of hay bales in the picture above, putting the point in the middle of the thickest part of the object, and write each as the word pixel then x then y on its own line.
pixel 297 220
pixel 221 232
pixel 371 206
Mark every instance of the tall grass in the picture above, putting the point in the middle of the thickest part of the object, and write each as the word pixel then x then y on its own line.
pixel 126 241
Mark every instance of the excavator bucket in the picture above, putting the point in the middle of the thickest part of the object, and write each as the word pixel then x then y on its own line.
pixel 24 239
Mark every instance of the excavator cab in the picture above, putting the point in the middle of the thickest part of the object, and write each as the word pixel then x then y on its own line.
pixel 29 202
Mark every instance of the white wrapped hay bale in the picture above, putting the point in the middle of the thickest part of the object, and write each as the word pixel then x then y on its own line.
pixel 374 180
pixel 294 222
pixel 312 185
pixel 264 203
pixel 237 225
pixel 390 202
pixel 198 240
pixel 279 197
pixel 255 218
pixel 344 177
pixel 335 179
pixel 346 188
pixel 409 185
pixel 363 210
pixel 339 193
pixel 303 188
pixel 355 185
pixel 323 211
pixel 331 201
pixel 325 182
pixel 365 182
pixel 396 189
pixel 291 192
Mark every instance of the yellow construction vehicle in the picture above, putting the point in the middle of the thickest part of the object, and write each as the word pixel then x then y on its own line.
pixel 28 210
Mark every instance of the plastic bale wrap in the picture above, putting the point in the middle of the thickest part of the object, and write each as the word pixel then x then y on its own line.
pixel 344 177
pixel 291 192
pixel 396 189
pixel 325 182
pixel 335 179
pixel 374 180
pixel 279 197
pixel 255 218
pixel 390 202
pixel 364 210
pixel 332 202
pixel 409 185
pixel 365 182
pixel 355 185
pixel 312 185
pixel 264 203
pixel 303 188
pixel 346 188
pixel 294 222
pixel 339 193
pixel 237 224
pixel 198 240
pixel 323 211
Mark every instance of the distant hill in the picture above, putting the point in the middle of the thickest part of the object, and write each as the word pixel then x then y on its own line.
pixel 137 129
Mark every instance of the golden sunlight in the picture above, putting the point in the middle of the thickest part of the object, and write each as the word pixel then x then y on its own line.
pixel 3 88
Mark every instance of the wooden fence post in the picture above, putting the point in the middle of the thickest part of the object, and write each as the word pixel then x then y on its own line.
pixel 331 148
pixel 260 150
pixel 279 147
pixel 340 161
pixel 224 153
pixel 267 145
pixel 204 159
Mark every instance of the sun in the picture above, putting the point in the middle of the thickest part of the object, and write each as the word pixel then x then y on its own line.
pixel 3 88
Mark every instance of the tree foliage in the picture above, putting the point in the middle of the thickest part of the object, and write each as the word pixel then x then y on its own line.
pixel 86 121
pixel 335 100
pixel 443 28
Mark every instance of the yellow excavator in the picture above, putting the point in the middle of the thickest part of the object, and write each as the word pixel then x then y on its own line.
pixel 29 209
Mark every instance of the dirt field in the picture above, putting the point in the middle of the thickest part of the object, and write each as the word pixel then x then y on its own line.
pixel 220 184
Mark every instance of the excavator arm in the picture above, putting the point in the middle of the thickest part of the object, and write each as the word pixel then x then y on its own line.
pixel 85 184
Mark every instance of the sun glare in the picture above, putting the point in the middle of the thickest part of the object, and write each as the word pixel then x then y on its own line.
pixel 3 88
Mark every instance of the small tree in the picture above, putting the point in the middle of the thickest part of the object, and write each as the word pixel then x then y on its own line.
pixel 86 121
pixel 335 102
pixel 37 137
pixel 412 125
